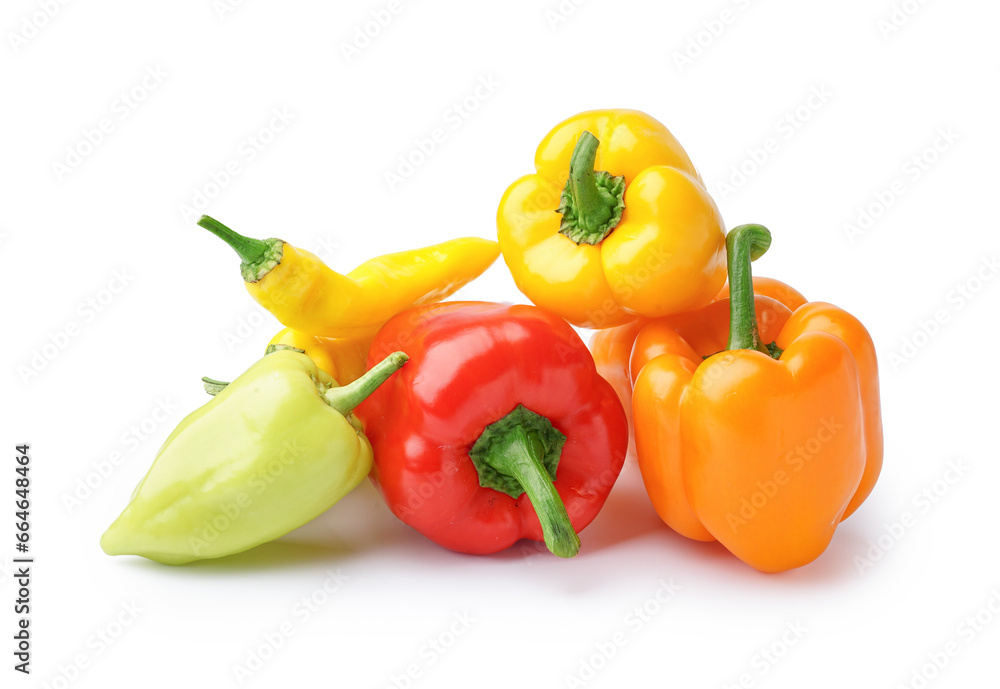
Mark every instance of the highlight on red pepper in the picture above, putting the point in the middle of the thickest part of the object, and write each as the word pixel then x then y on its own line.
pixel 764 442
pixel 499 427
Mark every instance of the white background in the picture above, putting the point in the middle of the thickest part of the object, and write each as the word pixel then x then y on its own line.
pixel 890 91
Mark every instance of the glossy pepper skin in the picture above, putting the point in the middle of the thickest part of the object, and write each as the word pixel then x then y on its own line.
pixel 641 236
pixel 343 358
pixel 304 294
pixel 272 450
pixel 763 448
pixel 656 407
pixel 612 347
pixel 775 289
pixel 473 367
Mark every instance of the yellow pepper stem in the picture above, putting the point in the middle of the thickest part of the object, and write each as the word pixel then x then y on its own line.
pixel 592 202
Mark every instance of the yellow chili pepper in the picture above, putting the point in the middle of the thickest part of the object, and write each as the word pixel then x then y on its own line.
pixel 344 358
pixel 641 237
pixel 306 295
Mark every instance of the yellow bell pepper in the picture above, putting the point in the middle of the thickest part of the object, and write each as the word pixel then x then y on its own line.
pixel 306 295
pixel 641 237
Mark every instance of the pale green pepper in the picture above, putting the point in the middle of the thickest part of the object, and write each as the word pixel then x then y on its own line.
pixel 272 450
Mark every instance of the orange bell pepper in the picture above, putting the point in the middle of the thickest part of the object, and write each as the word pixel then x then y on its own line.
pixel 612 347
pixel 769 287
pixel 764 442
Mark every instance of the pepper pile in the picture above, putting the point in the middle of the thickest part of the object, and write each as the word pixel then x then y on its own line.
pixel 755 413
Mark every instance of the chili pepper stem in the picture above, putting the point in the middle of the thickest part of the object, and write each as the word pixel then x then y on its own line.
pixel 257 256
pixel 744 244
pixel 592 202
pixel 250 250
pixel 344 399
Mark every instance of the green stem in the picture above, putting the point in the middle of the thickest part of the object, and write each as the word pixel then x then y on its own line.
pixel 250 250
pixel 590 207
pixel 213 387
pixel 592 202
pixel 258 256
pixel 519 455
pixel 744 244
pixel 520 458
pixel 344 399
pixel 278 347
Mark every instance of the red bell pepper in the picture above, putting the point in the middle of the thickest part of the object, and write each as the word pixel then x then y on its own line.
pixel 499 427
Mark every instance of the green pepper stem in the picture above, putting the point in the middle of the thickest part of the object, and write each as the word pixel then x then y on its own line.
pixel 213 387
pixel 344 399
pixel 278 347
pixel 258 257
pixel 250 250
pixel 520 456
pixel 591 209
pixel 592 202
pixel 744 244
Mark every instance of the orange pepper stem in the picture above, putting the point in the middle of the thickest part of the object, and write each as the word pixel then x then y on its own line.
pixel 744 244
pixel 592 202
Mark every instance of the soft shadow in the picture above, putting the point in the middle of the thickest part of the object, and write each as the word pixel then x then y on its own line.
pixel 276 555
pixel 836 564
pixel 357 526
pixel 833 566
pixel 361 526
pixel 627 515
pixel 273 556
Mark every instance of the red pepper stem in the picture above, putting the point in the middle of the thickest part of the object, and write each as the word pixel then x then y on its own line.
pixel 345 399
pixel 519 454
pixel 520 458
pixel 744 244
